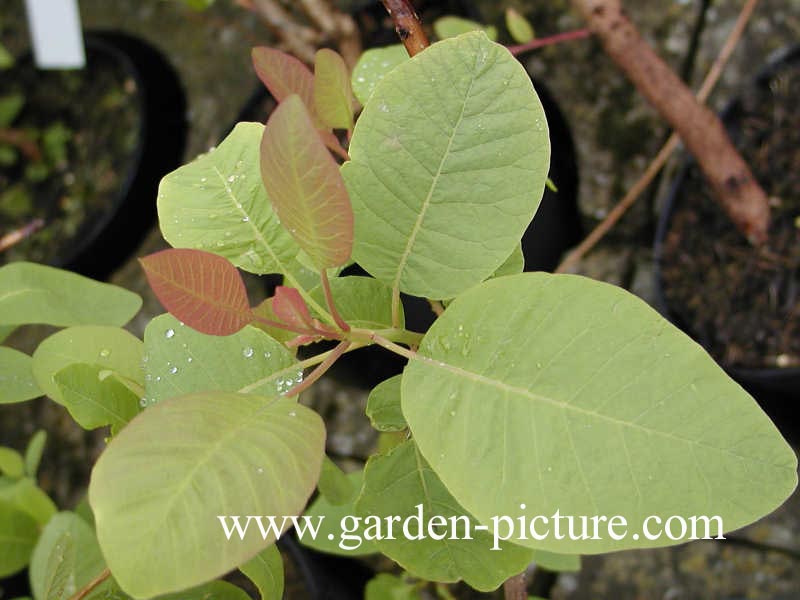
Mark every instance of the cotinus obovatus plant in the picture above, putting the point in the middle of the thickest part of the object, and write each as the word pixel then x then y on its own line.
pixel 530 394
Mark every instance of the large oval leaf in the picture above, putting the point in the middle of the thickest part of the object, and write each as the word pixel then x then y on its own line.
pixel 305 185
pixel 203 290
pixel 18 533
pixel 180 360
pixel 372 67
pixel 31 293
pixel 445 180
pixel 333 97
pixel 217 203
pixel 563 393
pixel 110 348
pixel 165 479
pixel 396 484
pixel 361 301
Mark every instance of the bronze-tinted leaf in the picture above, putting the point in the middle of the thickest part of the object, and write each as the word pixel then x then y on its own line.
pixel 305 186
pixel 203 290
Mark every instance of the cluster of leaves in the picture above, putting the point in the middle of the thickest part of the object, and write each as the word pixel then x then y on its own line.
pixel 531 393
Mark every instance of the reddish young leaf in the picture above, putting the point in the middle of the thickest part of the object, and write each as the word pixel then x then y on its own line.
pixel 289 306
pixel 305 186
pixel 201 289
pixel 285 75
pixel 333 96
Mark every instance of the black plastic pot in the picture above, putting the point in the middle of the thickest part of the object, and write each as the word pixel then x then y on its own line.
pixel 776 389
pixel 105 240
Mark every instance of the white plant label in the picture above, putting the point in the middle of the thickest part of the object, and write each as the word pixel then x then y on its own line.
pixel 56 34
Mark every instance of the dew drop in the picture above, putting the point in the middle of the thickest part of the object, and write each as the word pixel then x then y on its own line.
pixel 169 333
pixel 247 352
pixel 452 413
pixel 260 470
pixel 105 353
pixel 232 178
pixel 173 370
pixel 292 414
pixel 190 359
pixel 143 402
pixel 245 219
pixel 267 354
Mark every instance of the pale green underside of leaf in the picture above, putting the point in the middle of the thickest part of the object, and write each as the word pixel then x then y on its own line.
pixel 372 67
pixel 394 484
pixel 216 454
pixel 332 524
pixel 563 563
pixel 333 99
pixel 334 484
pixel 31 293
pixel 95 399
pixel 567 394
pixel 111 348
pixel 514 264
pixel 217 203
pixel 265 570
pixel 444 181
pixel 181 360
pixel 17 383
pixel 65 534
pixel 383 406
pixel 362 301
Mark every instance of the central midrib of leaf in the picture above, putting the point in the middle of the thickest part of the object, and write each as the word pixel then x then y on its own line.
pixel 250 221
pixel 565 406
pixel 421 217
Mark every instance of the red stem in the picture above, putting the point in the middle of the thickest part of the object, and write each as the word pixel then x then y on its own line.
pixel 326 286
pixel 321 369
pixel 550 40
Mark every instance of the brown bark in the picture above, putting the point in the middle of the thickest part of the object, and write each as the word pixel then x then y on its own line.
pixel 701 131
pixel 407 25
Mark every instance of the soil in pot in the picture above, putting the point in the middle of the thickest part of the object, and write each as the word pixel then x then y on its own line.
pixel 83 132
pixel 742 303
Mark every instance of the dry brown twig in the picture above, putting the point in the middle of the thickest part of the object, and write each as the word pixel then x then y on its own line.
pixel 15 237
pixel 666 150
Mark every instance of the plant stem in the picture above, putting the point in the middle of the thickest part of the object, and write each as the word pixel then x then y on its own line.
pixel 87 589
pixel 437 307
pixel 326 286
pixel 326 364
pixel 516 588
pixel 15 237
pixel 407 25
pixel 550 40
pixel 734 185
pixel 292 281
pixel 666 150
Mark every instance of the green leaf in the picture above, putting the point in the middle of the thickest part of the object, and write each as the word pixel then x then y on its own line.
pixel 385 586
pixel 383 406
pixel 214 590
pixel 341 530
pixel 519 27
pixel 181 360
pixel 396 484
pixel 265 570
pixel 33 453
pixel 362 301
pixel 569 563
pixel 94 399
pixel 450 26
pixel 333 97
pixel 111 348
pixel 17 383
pixel 203 290
pixel 563 393
pixel 198 4
pixel 218 203
pixel 372 67
pixel 18 533
pixel 306 188
pixel 334 484
pixel 29 498
pixel 31 293
pixel 57 583
pixel 80 539
pixel 10 107
pixel 217 454
pixel 6 58
pixel 473 135
pixel 11 463
pixel 514 264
